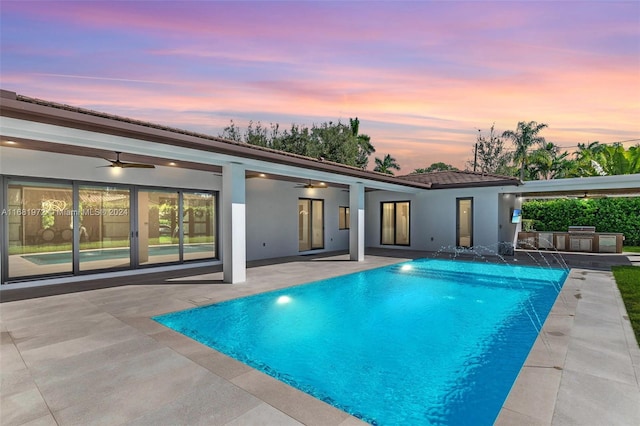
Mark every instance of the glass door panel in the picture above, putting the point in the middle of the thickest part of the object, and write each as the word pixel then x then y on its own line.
pixel 158 227
pixel 310 224
pixel 317 224
pixel 464 223
pixel 199 226
pixel 40 228
pixel 304 225
pixel 388 229
pixel 402 223
pixel 105 227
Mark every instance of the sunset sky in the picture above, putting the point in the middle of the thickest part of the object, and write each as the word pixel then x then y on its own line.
pixel 421 76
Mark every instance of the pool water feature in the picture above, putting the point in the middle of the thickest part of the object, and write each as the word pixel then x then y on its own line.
pixel 423 342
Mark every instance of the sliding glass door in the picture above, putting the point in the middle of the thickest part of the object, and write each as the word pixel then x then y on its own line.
pixel 105 227
pixel 199 226
pixel 39 218
pixel 158 227
pixel 310 224
pixel 64 227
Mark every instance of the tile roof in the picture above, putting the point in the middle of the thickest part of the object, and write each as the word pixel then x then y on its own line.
pixel 434 180
pixel 460 179
pixel 24 107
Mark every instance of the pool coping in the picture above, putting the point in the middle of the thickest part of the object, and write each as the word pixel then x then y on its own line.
pixel 584 367
pixel 570 376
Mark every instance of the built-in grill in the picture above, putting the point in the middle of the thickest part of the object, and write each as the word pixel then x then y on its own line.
pixel 582 229
pixel 582 238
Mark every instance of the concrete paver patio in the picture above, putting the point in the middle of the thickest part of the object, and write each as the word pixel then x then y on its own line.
pixel 96 357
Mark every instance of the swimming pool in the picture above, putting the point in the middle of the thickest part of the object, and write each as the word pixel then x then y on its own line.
pixel 423 342
pixel 56 258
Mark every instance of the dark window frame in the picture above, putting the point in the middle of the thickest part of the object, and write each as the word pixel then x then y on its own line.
pixel 395 231
pixel 458 200
pixel 311 223
pixel 344 210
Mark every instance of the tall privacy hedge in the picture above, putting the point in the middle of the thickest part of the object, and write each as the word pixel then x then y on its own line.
pixel 606 214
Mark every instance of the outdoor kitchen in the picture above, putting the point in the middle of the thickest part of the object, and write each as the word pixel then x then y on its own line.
pixel 575 239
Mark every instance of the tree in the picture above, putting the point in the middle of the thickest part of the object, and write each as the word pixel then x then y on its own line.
pixel 547 162
pixel 435 167
pixel 525 136
pixel 615 160
pixel 386 165
pixel 595 159
pixel 490 155
pixel 365 149
pixel 330 141
pixel 232 132
pixel 585 159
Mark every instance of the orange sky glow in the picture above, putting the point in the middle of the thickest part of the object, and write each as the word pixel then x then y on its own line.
pixel 422 77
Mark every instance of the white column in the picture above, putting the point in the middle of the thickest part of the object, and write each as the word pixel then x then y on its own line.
pixel 233 230
pixel 356 223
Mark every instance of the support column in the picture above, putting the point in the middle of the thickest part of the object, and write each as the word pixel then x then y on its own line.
pixel 356 223
pixel 233 230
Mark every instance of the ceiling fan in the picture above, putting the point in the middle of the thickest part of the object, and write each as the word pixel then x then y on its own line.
pixel 126 165
pixel 310 185
pixel 587 195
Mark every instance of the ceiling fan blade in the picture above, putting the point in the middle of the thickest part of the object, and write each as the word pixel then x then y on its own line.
pixel 137 166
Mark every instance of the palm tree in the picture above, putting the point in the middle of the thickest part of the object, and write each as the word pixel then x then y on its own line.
pixel 548 163
pixel 386 164
pixel 586 159
pixel 525 136
pixel 365 149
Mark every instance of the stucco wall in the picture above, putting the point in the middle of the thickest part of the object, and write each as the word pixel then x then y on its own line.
pixel 433 217
pixel 272 218
pixel 271 206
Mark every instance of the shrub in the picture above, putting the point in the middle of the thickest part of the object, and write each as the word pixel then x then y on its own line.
pixel 606 214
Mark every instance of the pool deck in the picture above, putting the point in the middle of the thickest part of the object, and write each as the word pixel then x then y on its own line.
pixel 95 356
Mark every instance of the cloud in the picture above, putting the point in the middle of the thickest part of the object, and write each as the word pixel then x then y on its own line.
pixel 421 76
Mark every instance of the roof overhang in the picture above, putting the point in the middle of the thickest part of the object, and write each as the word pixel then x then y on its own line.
pixel 44 126
pixel 596 186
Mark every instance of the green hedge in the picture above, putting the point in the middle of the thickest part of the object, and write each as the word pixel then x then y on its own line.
pixel 606 214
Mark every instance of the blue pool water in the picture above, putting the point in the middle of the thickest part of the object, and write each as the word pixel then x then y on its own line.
pixel 109 254
pixel 424 342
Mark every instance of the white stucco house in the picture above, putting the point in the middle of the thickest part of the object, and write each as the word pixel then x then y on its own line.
pixel 84 193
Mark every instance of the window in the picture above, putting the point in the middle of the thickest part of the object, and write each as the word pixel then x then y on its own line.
pixel 344 219
pixel 310 224
pixel 395 223
pixel 464 222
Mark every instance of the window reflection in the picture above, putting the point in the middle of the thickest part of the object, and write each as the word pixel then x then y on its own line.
pixel 40 228
pixel 199 226
pixel 105 227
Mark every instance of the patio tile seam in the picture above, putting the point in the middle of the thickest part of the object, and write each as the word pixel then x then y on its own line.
pixel 33 381
pixel 230 382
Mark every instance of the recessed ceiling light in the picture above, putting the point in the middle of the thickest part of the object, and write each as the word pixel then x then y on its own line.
pixel 172 163
pixel 11 142
pixel 262 175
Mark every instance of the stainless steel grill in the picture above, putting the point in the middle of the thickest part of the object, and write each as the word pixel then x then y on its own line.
pixel 582 229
